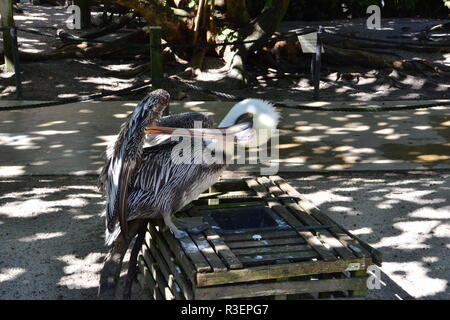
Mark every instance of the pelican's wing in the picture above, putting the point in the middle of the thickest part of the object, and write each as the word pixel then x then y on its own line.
pixel 164 185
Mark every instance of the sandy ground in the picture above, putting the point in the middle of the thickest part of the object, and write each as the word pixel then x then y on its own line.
pixel 60 78
pixel 52 232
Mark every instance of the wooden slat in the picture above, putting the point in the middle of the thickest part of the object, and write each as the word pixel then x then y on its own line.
pixel 327 237
pixel 162 285
pixel 226 195
pixel 264 258
pixel 149 281
pixel 310 238
pixel 276 249
pixel 361 291
pixel 164 253
pixel 175 249
pixel 230 205
pixel 338 231
pixel 205 248
pixel 263 243
pixel 279 271
pixel 165 270
pixel 219 245
pixel 279 288
pixel 191 250
pixel 265 235
pixel 160 275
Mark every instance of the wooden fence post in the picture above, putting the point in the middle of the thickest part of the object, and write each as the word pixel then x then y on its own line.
pixel 85 13
pixel 6 10
pixel 317 64
pixel 156 59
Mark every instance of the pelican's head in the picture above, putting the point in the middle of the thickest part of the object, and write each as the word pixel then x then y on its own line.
pixel 258 119
pixel 157 100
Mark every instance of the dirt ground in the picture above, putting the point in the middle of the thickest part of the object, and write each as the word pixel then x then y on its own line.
pixel 52 240
pixel 60 78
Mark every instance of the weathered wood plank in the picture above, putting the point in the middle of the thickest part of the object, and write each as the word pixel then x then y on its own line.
pixel 175 248
pixel 161 284
pixel 208 252
pixel 278 288
pixel 191 250
pixel 360 291
pixel 226 195
pixel 161 274
pixel 328 237
pixel 220 247
pixel 165 270
pixel 276 249
pixel 344 236
pixel 280 271
pixel 164 253
pixel 229 205
pixel 288 256
pixel 310 238
pixel 263 243
pixel 149 281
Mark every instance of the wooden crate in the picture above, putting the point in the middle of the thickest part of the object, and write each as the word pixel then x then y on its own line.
pixel 303 254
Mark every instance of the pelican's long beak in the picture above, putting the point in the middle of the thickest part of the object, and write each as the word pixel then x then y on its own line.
pixel 215 134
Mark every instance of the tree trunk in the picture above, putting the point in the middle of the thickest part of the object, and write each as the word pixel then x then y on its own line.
pixel 237 12
pixel 176 24
pixel 264 25
pixel 6 10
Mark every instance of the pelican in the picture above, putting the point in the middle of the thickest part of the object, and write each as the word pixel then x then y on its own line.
pixel 141 181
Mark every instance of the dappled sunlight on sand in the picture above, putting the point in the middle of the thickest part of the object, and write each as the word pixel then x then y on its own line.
pixel 414 278
pixel 8 274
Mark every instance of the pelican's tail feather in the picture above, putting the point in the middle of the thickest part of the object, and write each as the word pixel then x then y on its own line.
pixel 110 237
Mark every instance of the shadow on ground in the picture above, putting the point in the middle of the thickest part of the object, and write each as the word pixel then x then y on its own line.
pixel 404 215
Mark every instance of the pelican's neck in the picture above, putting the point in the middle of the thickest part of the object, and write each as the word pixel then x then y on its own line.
pixel 238 109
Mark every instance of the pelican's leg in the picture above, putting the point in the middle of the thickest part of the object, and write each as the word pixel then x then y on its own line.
pixel 169 223
pixel 133 265
pixel 112 266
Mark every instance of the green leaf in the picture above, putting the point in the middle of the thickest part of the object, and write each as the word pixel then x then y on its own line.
pixel 269 4
pixel 191 4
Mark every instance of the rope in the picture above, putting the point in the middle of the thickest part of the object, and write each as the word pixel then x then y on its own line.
pixel 388 41
pixel 77 99
pixel 230 43
pixel 173 45
pixel 34 31
pixel 364 109
pixel 232 97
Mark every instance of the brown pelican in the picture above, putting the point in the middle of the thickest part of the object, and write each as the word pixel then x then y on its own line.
pixel 142 183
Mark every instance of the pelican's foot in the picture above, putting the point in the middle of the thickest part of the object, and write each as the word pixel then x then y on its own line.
pixel 179 234
pixel 191 224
